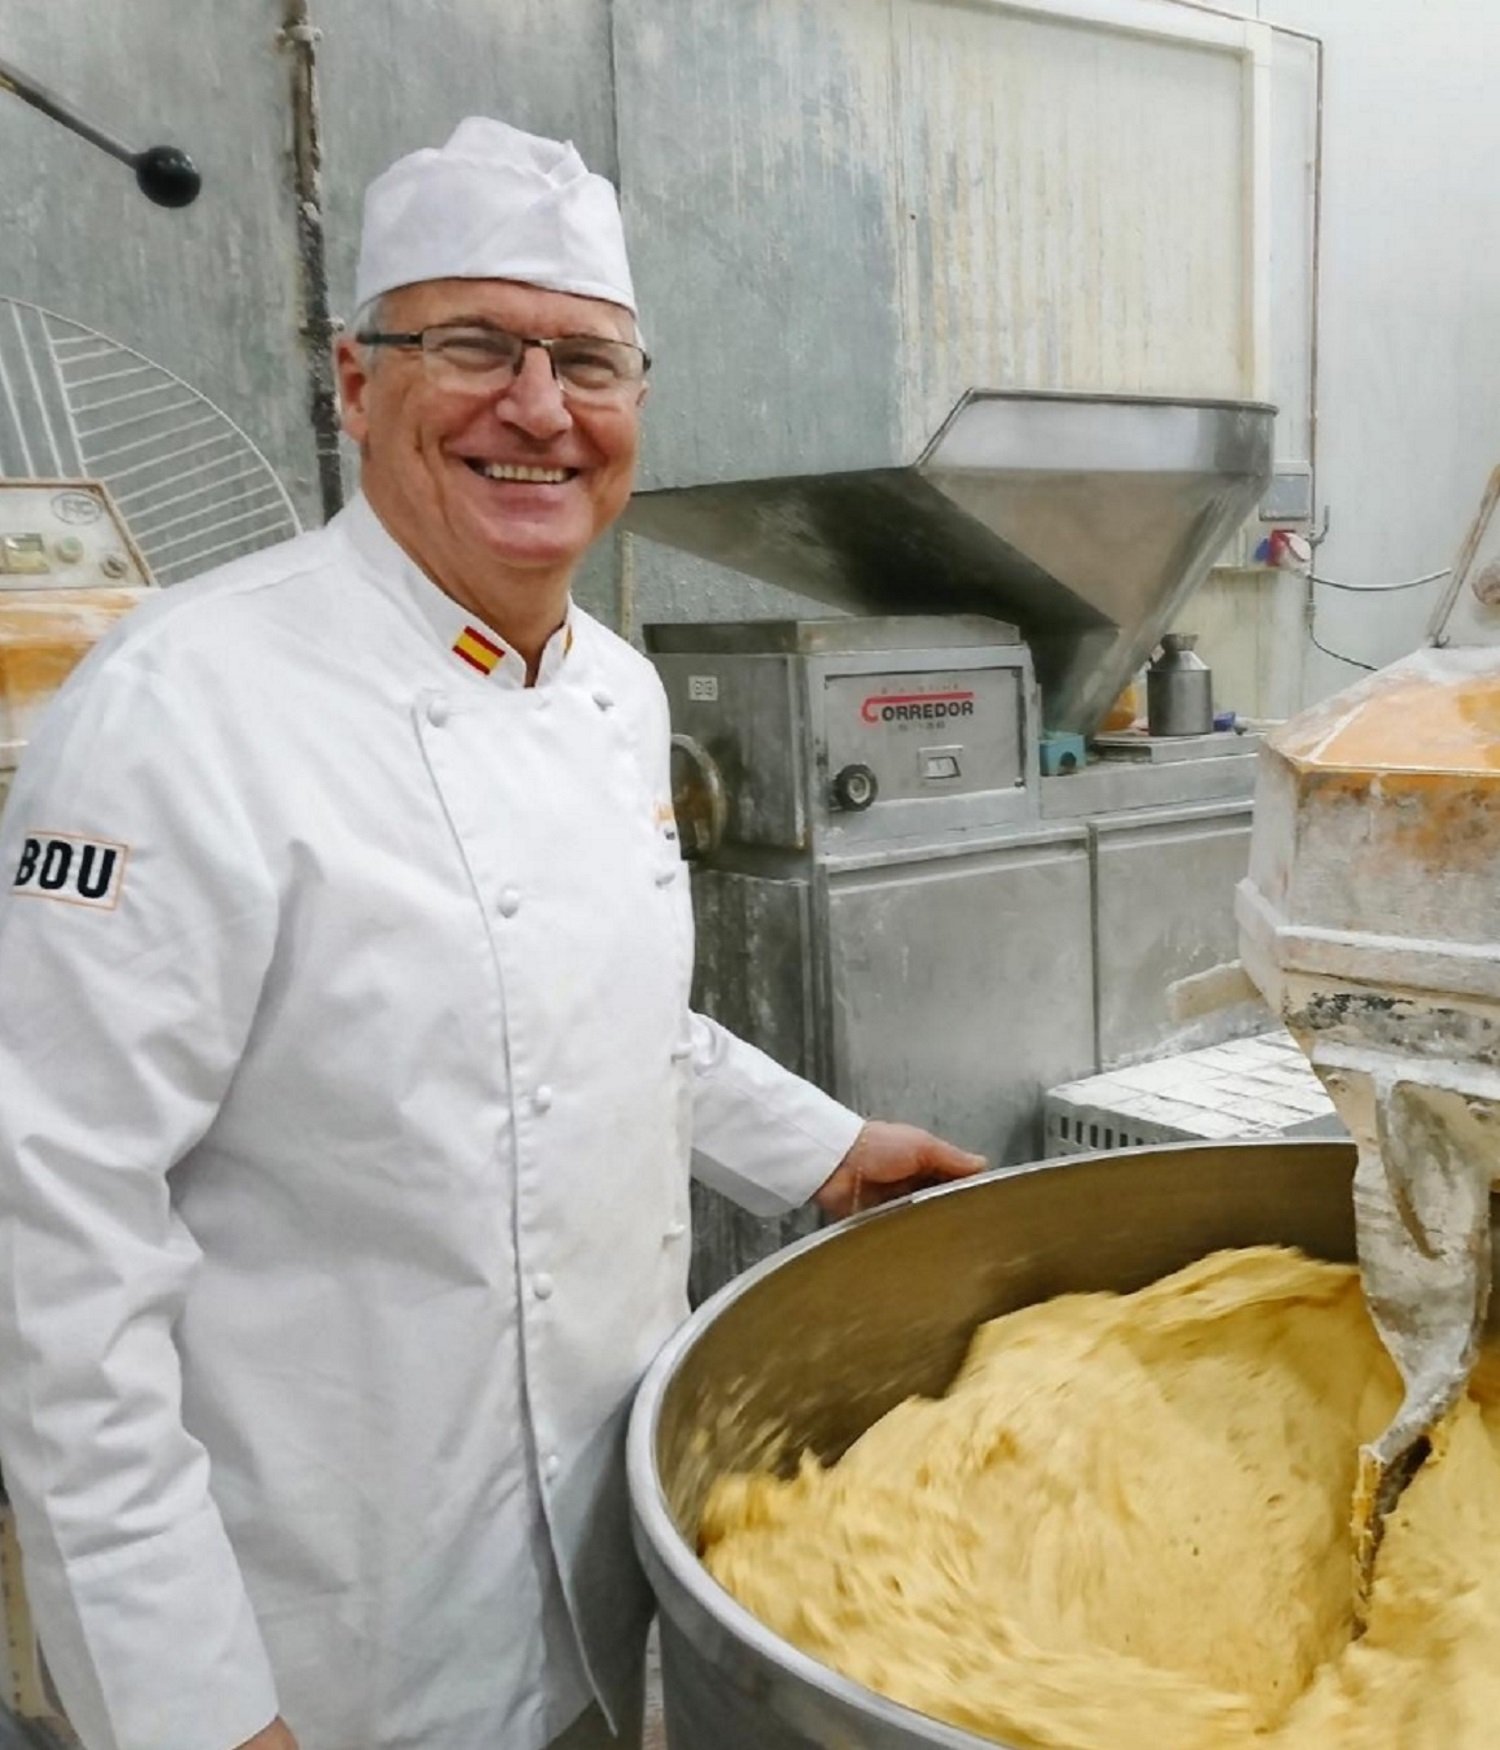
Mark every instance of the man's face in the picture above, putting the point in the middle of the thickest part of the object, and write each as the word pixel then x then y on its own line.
pixel 432 450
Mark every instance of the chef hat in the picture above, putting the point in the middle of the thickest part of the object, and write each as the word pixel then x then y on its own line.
pixel 496 204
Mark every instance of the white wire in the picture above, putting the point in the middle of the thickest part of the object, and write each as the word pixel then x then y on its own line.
pixel 1380 588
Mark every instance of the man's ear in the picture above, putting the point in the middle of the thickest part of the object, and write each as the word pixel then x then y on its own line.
pixel 351 364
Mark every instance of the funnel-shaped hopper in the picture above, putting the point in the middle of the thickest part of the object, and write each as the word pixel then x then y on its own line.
pixel 1085 520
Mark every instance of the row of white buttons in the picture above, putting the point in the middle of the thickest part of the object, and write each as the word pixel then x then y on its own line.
pixel 439 710
pixel 509 903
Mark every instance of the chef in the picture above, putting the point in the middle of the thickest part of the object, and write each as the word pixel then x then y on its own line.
pixel 348 1085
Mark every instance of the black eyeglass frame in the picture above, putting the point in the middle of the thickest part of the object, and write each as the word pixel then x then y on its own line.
pixel 417 338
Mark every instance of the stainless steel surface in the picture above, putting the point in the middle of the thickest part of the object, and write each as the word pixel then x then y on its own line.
pixel 961 986
pixel 759 970
pixel 887 913
pixel 882 887
pixel 883 1307
pixel 1108 786
pixel 1087 520
pixel 1133 747
pixel 1179 690
pixel 1163 910
pixel 891 979
pixel 948 729
pixel 847 637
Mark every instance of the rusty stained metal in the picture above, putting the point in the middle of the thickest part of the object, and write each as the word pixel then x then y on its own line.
pixel 300 36
pixel 1073 209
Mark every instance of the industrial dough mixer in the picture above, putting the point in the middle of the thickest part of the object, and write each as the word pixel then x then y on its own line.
pixel 1371 921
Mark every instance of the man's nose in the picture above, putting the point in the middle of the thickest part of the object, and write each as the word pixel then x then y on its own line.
pixel 534 401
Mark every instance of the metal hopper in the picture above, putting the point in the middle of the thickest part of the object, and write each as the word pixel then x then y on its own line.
pixel 1087 520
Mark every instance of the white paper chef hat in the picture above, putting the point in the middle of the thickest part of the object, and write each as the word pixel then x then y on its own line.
pixel 494 203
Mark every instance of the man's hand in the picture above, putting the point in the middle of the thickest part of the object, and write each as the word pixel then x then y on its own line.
pixel 887 1161
pixel 277 1736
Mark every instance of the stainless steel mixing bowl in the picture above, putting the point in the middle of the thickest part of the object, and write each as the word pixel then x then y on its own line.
pixel 806 1351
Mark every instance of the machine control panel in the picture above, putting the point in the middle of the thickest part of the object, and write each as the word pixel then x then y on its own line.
pixel 854 734
pixel 65 534
pixel 957 732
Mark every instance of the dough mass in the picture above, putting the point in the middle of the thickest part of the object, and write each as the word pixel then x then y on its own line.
pixel 1126 1527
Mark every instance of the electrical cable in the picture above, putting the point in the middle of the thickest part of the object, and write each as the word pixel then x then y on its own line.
pixel 1362 589
pixel 1380 588
pixel 1338 655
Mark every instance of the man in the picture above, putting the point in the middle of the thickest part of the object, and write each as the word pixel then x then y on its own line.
pixel 349 1078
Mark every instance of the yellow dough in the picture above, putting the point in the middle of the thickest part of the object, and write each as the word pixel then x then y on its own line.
pixel 1127 1527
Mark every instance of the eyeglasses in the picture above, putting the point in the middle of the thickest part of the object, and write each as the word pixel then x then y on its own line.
pixel 587 367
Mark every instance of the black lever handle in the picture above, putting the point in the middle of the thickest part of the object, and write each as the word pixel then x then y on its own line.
pixel 164 174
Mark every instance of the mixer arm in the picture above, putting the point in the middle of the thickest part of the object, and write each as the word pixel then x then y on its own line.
pixel 1422 1213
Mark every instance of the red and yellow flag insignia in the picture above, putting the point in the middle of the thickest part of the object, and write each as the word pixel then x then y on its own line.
pixel 477 650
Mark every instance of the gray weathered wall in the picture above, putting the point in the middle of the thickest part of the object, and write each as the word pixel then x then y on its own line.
pixel 213 292
pixel 767 150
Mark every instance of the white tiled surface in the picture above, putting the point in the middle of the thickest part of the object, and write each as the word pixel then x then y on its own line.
pixel 1245 1087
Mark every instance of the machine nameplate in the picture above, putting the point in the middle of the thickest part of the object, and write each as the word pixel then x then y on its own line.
pixel 917 707
pixel 885 722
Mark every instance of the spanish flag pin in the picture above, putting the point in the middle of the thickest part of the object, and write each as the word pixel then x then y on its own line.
pixel 477 650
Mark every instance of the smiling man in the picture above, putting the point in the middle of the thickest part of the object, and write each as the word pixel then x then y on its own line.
pixel 346 1127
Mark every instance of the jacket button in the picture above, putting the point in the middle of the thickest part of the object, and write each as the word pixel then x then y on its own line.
pixel 551 1465
pixel 541 1100
pixel 675 1230
pixel 542 1286
pixel 681 1053
pixel 437 711
pixel 509 903
pixel 665 877
pixel 604 700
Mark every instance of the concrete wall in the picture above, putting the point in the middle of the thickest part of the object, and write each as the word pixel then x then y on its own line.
pixel 1046 230
pixel 213 292
pixel 1409 372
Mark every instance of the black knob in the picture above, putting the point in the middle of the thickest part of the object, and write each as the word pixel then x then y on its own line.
pixel 167 176
pixel 855 788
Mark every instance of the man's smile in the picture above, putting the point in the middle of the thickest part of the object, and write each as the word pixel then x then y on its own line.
pixel 516 471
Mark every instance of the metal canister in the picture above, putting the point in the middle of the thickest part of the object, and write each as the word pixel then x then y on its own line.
pixel 1179 689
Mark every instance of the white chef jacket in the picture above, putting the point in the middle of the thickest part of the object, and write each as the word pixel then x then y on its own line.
pixel 347 1090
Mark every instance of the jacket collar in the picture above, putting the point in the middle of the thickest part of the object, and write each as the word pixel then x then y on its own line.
pixel 469 643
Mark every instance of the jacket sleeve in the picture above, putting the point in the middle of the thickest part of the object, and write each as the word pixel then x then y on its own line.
pixel 763 1136
pixel 125 1000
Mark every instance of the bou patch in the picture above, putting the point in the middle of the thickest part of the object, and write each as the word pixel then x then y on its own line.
pixel 76 870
